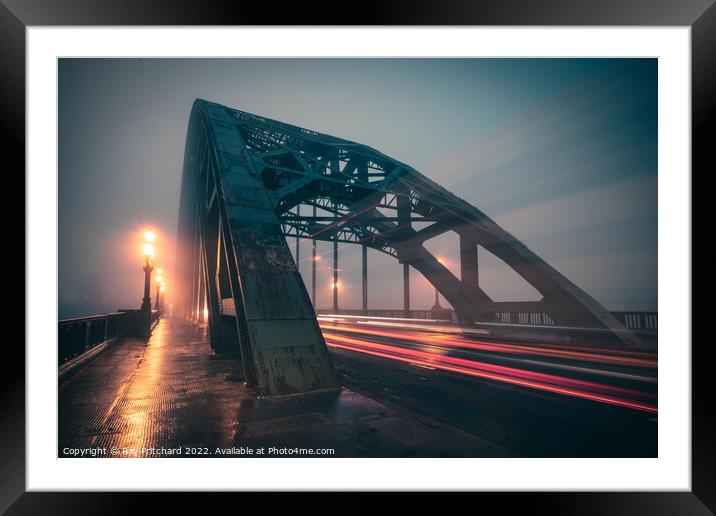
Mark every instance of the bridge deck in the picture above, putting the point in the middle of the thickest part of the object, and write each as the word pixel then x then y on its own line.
pixel 171 392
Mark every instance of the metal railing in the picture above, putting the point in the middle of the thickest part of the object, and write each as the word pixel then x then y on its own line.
pixel 639 320
pixel 393 313
pixel 75 336
pixel 642 321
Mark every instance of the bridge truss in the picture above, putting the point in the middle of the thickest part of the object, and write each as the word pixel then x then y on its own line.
pixel 249 182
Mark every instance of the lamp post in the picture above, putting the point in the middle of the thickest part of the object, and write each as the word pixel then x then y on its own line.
pixel 158 302
pixel 160 295
pixel 160 282
pixel 148 254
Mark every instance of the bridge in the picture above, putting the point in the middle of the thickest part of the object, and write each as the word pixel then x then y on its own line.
pixel 248 360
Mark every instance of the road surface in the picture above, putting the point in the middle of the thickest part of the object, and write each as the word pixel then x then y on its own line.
pixel 537 399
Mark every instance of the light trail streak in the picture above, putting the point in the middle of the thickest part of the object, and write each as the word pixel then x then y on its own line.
pixel 533 375
pixel 451 340
pixel 589 370
pixel 539 381
pixel 396 322
pixel 371 320
pixel 425 327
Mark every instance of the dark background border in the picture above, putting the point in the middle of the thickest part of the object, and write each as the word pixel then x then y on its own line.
pixel 15 15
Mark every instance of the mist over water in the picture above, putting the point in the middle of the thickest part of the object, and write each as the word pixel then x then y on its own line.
pixel 561 152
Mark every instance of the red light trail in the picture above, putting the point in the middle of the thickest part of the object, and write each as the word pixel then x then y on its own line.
pixel 436 358
pixel 616 357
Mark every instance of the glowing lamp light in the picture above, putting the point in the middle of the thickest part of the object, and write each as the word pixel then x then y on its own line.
pixel 149 236
pixel 148 250
pixel 159 270
pixel 336 285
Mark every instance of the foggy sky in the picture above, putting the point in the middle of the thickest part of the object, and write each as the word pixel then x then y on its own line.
pixel 560 152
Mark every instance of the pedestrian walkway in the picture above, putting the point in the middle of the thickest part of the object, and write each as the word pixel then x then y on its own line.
pixel 171 397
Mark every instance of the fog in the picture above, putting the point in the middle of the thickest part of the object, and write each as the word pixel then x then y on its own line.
pixel 561 152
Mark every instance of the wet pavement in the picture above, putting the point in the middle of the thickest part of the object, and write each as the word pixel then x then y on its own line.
pixel 170 397
pixel 527 422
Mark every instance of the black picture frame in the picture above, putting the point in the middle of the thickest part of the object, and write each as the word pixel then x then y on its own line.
pixel 700 15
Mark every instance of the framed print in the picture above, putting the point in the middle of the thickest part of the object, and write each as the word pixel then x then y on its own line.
pixel 428 255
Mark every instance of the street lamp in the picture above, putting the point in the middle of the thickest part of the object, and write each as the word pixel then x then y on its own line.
pixel 160 282
pixel 160 291
pixel 148 249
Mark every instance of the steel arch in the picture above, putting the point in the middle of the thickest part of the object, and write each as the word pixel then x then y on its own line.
pixel 244 176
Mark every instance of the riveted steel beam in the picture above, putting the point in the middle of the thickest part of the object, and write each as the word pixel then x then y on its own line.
pixel 282 348
pixel 264 170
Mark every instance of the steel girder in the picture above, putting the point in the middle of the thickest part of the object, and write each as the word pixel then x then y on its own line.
pixel 233 255
pixel 267 169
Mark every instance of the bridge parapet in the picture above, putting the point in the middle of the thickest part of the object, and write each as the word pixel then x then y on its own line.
pixel 638 321
pixel 81 334
pixel 78 335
